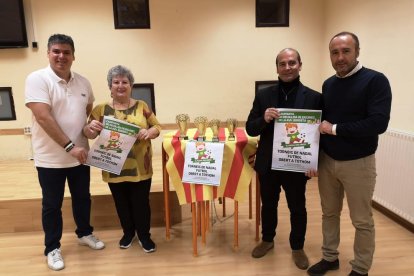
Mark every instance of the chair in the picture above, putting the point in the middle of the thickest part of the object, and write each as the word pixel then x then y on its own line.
pixel 144 92
pixel 263 84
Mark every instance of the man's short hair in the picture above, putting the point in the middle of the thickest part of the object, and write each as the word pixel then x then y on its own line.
pixel 354 37
pixel 60 39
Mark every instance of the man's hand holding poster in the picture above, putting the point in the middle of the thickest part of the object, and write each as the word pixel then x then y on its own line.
pixel 203 163
pixel 111 149
pixel 296 140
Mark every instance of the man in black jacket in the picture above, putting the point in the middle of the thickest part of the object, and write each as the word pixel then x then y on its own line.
pixel 288 93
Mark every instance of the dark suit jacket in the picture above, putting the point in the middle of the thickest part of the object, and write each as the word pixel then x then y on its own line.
pixel 306 98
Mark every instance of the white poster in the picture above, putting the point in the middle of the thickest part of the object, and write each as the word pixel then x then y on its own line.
pixel 296 140
pixel 203 163
pixel 111 149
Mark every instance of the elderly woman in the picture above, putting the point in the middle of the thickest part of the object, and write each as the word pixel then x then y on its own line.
pixel 130 190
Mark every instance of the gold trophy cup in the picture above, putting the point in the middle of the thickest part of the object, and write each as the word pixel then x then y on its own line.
pixel 215 126
pixel 231 125
pixel 201 123
pixel 182 122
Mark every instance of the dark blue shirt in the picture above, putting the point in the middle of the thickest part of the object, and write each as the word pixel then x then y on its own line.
pixel 360 105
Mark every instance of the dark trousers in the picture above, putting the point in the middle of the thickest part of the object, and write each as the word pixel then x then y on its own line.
pixel 133 207
pixel 52 182
pixel 294 185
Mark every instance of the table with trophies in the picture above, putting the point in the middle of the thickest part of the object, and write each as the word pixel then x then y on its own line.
pixel 236 170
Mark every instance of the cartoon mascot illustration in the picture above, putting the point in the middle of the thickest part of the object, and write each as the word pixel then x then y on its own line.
pixel 201 151
pixel 114 142
pixel 293 133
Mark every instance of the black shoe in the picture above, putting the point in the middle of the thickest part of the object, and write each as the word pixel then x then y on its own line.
pixel 354 273
pixel 148 245
pixel 126 241
pixel 322 267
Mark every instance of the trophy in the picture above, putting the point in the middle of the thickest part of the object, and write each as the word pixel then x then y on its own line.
pixel 231 125
pixel 215 126
pixel 182 122
pixel 201 123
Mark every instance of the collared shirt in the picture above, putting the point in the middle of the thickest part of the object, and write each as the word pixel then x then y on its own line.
pixel 353 71
pixel 68 102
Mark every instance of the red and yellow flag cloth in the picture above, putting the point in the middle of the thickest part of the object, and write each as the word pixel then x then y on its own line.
pixel 236 172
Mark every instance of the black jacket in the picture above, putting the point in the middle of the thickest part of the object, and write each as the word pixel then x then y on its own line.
pixel 306 98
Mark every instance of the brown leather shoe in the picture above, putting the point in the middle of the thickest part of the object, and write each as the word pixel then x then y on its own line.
pixel 300 259
pixel 261 249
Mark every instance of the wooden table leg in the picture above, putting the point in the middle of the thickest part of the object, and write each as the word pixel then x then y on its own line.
pixel 208 216
pixel 203 222
pixel 258 202
pixel 198 218
pixel 236 224
pixel 194 224
pixel 166 190
pixel 223 200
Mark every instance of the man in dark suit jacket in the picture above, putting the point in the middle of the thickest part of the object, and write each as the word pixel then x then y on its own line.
pixel 289 92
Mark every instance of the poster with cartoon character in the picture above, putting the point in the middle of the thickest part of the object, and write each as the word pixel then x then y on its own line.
pixel 111 148
pixel 203 163
pixel 296 140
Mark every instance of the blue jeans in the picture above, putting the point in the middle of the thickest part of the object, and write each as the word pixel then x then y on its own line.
pixel 52 181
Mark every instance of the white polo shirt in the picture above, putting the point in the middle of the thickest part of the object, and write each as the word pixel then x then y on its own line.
pixel 68 101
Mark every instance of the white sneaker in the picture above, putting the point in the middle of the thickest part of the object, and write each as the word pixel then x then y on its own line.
pixel 91 241
pixel 55 260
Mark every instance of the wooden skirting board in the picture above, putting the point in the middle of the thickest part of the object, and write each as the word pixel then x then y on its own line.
pixel 24 215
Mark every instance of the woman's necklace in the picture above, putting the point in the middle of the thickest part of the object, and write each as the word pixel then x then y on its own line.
pixel 123 113
pixel 287 93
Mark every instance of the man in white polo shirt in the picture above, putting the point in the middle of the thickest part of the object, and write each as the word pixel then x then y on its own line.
pixel 60 101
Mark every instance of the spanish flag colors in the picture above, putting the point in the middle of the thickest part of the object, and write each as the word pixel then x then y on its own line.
pixel 236 173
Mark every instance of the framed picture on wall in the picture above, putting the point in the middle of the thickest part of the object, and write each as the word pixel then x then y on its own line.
pixel 272 13
pixel 7 111
pixel 131 14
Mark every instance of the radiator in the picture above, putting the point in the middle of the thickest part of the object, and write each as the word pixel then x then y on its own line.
pixel 394 189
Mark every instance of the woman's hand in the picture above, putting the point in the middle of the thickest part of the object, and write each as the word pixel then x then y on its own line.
pixel 92 129
pixel 311 173
pixel 146 134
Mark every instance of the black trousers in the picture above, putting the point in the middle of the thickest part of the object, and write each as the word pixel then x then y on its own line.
pixel 133 207
pixel 52 182
pixel 294 185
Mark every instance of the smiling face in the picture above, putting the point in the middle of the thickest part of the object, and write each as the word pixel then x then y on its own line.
pixel 288 65
pixel 120 88
pixel 344 53
pixel 200 146
pixel 292 130
pixel 61 57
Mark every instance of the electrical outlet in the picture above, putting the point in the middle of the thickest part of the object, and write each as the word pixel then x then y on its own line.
pixel 27 131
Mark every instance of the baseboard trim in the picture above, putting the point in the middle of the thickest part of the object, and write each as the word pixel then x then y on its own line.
pixel 401 221
pixel 25 215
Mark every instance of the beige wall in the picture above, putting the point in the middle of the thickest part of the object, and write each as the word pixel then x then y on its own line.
pixel 386 32
pixel 204 56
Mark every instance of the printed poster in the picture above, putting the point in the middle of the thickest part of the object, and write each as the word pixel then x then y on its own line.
pixel 296 140
pixel 111 148
pixel 203 163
